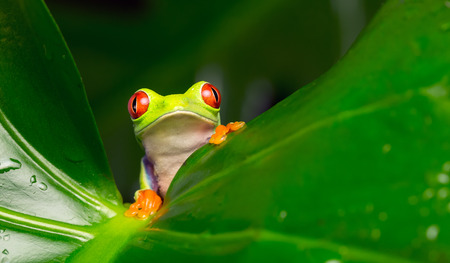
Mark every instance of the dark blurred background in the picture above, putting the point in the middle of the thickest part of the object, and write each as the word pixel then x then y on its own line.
pixel 257 52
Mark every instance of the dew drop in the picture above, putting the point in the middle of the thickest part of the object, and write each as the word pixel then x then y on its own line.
pixel 445 27
pixel 375 234
pixel 432 232
pixel 438 90
pixel 443 178
pixel 428 194
pixel 2 231
pixel 386 148
pixel 382 216
pixel 442 193
pixel 283 214
pixel 333 261
pixel 42 186
pixel 446 166
pixel 5 260
pixel 9 164
pixel 33 179
pixel 6 237
pixel 5 251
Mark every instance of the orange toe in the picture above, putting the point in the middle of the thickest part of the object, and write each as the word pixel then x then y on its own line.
pixel 234 126
pixel 217 138
pixel 222 129
pixel 147 203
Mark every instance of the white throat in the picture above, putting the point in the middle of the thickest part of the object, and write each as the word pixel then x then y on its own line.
pixel 171 140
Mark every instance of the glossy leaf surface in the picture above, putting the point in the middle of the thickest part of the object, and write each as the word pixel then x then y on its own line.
pixel 54 178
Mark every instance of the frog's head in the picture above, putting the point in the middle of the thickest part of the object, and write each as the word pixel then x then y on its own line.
pixel 147 107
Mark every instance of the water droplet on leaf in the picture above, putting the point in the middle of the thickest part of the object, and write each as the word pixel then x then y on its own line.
pixel 445 27
pixel 382 216
pixel 6 237
pixel 432 232
pixel 9 164
pixel 442 193
pixel 375 234
pixel 446 166
pixel 443 178
pixel 43 186
pixel 428 194
pixel 5 251
pixel 33 179
pixel 282 215
pixel 386 148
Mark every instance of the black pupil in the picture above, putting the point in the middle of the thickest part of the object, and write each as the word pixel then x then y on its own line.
pixel 134 104
pixel 215 94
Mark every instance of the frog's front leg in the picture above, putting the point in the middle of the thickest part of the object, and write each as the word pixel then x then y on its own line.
pixel 147 200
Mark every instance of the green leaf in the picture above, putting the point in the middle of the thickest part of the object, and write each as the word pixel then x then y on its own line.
pixel 54 179
pixel 353 167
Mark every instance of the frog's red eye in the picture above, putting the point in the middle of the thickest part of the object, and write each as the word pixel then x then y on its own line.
pixel 211 95
pixel 138 104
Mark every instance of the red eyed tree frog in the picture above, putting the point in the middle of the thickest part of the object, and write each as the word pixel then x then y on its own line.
pixel 171 128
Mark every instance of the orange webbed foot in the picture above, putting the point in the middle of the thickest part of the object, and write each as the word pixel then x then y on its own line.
pixel 147 203
pixel 234 126
pixel 221 131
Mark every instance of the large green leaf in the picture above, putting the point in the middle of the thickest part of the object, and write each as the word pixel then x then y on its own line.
pixel 55 181
pixel 352 167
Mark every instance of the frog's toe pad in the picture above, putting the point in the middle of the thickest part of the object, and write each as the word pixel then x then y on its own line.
pixel 234 126
pixel 147 203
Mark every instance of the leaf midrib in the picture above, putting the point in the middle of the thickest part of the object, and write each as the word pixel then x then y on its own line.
pixel 42 225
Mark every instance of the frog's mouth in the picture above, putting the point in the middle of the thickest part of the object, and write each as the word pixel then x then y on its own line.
pixel 177 122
